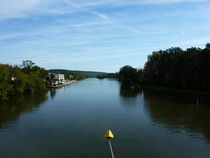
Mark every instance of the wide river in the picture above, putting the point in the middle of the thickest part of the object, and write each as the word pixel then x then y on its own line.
pixel 70 123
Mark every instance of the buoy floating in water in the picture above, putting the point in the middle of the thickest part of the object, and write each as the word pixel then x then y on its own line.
pixel 109 135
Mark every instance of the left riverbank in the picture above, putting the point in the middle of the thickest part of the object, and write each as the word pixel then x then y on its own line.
pixel 27 78
pixel 64 84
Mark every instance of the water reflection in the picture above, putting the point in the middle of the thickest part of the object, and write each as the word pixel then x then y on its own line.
pixel 180 97
pixel 179 111
pixel 130 97
pixel 25 103
pixel 128 91
pixel 52 93
pixel 73 122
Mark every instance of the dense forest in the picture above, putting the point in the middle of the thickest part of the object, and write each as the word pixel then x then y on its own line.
pixel 173 68
pixel 27 78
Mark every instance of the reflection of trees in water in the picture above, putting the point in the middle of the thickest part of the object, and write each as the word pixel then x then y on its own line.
pixel 52 93
pixel 24 103
pixel 179 111
pixel 127 91
pixel 180 97
pixel 129 96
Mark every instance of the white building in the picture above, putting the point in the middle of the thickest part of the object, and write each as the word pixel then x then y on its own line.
pixel 60 77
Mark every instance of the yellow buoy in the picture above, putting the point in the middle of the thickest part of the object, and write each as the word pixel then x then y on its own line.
pixel 109 134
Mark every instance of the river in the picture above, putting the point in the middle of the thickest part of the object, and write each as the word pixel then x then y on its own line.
pixel 70 123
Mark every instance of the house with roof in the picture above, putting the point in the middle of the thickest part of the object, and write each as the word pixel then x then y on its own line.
pixel 60 78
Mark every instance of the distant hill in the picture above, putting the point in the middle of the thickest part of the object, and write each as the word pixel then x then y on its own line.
pixel 76 72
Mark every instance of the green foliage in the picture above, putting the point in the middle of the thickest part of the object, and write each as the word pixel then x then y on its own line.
pixel 26 79
pixel 140 75
pixel 27 64
pixel 6 90
pixel 173 68
pixel 107 75
pixel 19 82
pixel 179 69
pixel 79 77
pixel 208 46
pixel 74 72
pixel 35 83
pixel 68 77
pixel 128 75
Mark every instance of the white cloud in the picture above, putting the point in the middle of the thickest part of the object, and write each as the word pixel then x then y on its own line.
pixel 97 3
pixel 17 8
pixel 24 8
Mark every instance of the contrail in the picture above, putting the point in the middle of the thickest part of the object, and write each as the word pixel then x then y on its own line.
pixel 103 16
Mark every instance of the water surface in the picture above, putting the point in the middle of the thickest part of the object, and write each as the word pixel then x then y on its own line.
pixel 70 123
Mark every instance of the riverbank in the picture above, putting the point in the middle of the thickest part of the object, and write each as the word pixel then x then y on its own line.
pixel 64 84
pixel 174 90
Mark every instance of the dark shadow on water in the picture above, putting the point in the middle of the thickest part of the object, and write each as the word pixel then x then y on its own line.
pixel 52 93
pixel 12 110
pixel 180 97
pixel 179 111
pixel 173 110
pixel 127 91
pixel 129 96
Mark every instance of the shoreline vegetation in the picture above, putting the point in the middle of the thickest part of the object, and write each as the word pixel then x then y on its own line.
pixel 173 69
pixel 76 72
pixel 27 78
pixel 107 75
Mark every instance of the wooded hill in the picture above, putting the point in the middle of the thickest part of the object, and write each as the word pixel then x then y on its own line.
pixel 76 72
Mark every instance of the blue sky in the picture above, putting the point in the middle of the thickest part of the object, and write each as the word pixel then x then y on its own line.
pixel 99 35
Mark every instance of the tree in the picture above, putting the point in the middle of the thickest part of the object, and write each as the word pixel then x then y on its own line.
pixel 17 80
pixel 6 89
pixel 208 46
pixel 128 75
pixel 175 68
pixel 27 63
pixel 140 73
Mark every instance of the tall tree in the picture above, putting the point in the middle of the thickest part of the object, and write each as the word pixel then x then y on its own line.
pixel 128 75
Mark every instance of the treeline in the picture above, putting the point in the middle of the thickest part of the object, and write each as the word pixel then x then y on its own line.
pixel 27 78
pixel 72 77
pixel 79 77
pixel 107 75
pixel 173 68
pixel 76 72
